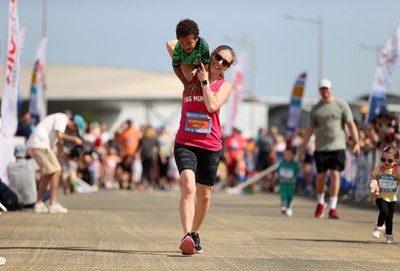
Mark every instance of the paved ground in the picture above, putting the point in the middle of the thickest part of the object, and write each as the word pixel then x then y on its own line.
pixel 125 230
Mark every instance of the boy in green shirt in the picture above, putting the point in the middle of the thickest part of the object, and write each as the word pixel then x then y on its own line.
pixel 287 172
pixel 188 52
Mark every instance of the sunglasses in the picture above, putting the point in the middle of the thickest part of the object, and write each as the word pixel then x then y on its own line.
pixel 225 62
pixel 383 160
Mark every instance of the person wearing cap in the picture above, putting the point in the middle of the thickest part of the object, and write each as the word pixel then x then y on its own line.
pixel 328 119
pixel 22 177
pixel 48 132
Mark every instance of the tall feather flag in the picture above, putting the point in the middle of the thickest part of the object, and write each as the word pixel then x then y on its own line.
pixel 37 106
pixel 9 111
pixel 294 113
pixel 9 101
pixel 236 97
pixel 383 75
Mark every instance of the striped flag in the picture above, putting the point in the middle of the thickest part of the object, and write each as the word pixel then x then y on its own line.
pixel 295 106
pixel 383 75
pixel 37 106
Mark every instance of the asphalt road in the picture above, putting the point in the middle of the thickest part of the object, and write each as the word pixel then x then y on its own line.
pixel 130 230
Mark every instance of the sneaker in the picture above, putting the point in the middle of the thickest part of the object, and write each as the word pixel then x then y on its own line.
pixel 389 239
pixel 289 212
pixel 377 231
pixel 319 211
pixel 57 209
pixel 333 214
pixel 2 261
pixel 283 210
pixel 196 239
pixel 40 208
pixel 187 245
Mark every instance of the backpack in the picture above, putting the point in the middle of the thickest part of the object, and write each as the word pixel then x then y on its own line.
pixel 8 198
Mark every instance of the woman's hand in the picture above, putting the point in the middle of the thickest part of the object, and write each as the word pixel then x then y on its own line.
pixel 202 73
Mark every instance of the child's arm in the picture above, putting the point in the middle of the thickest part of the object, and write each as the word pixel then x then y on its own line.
pixel 170 47
pixel 185 71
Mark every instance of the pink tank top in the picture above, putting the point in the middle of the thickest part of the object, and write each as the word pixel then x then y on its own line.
pixel 198 127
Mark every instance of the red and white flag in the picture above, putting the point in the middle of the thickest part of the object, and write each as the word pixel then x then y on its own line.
pixel 9 101
pixel 236 96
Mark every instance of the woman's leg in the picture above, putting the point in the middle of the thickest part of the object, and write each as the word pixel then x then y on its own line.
pixel 203 196
pixel 186 204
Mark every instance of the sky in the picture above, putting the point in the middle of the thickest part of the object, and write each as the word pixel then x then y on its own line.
pixel 132 33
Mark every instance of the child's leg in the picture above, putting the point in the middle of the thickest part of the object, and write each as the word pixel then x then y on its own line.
pixel 389 217
pixel 383 212
pixel 291 189
pixel 283 193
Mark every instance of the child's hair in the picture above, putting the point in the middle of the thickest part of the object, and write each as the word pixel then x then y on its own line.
pixel 187 27
pixel 291 149
pixel 391 150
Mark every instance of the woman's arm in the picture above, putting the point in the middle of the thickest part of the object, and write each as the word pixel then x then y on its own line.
pixel 213 101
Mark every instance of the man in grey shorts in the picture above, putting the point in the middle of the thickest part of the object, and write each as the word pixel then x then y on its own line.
pixel 328 119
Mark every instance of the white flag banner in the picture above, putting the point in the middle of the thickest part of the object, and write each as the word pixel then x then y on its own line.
pixel 236 96
pixel 9 100
pixel 37 106
pixel 383 75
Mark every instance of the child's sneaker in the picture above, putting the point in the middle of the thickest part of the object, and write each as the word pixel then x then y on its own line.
pixel 187 245
pixel 377 231
pixel 40 208
pixel 319 211
pixel 289 212
pixel 196 240
pixel 389 239
pixel 57 209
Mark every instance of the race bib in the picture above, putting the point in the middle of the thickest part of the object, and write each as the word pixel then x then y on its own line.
pixel 198 123
pixel 387 183
pixel 286 172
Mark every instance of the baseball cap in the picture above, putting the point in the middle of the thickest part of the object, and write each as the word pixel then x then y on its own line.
pixel 20 151
pixel 80 124
pixel 325 83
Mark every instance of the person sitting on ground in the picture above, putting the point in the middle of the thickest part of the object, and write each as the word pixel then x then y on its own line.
pixel 22 177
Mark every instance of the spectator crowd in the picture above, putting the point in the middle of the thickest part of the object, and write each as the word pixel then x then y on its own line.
pixel 141 158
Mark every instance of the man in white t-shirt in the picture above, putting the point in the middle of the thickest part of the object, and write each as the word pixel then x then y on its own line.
pixel 40 146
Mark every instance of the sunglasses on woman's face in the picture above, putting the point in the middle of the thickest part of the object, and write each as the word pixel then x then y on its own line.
pixel 383 160
pixel 225 62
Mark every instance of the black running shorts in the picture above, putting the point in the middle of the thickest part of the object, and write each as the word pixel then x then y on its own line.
pixel 329 160
pixel 204 163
